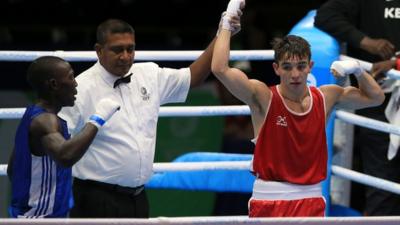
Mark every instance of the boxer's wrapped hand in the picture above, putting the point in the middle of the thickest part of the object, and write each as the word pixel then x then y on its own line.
pixel 346 67
pixel 230 19
pixel 105 108
pixel 231 23
pixel 234 6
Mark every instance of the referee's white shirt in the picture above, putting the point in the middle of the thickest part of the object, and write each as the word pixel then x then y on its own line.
pixel 123 150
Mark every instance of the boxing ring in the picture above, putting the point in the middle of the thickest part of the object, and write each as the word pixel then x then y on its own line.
pixel 213 166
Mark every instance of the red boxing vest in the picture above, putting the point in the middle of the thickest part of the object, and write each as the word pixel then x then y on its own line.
pixel 291 147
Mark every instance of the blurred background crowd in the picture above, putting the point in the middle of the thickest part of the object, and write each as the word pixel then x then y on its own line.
pixel 47 25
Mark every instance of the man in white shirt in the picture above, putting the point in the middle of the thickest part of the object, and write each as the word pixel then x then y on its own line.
pixel 109 179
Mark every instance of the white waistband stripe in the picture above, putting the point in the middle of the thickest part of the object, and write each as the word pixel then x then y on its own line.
pixel 270 190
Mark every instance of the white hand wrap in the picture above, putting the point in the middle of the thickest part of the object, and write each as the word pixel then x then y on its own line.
pixel 347 67
pixel 105 108
pixel 225 22
pixel 233 10
pixel 233 7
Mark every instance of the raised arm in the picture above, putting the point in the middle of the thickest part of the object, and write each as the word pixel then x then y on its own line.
pixel 45 134
pixel 368 93
pixel 235 80
pixel 201 68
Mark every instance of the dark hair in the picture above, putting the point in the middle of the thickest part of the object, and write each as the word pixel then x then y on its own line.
pixel 291 46
pixel 112 26
pixel 41 70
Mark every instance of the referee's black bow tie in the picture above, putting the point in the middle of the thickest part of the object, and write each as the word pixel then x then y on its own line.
pixel 125 79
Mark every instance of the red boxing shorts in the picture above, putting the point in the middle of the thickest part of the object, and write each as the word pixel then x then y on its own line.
pixel 287 208
pixel 279 199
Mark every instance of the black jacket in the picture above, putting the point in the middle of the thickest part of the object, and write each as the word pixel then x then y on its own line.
pixel 351 20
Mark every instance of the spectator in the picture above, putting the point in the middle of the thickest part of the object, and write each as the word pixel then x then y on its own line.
pixel 370 29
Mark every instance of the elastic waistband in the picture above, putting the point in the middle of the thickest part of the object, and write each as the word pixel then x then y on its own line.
pixel 111 187
pixel 272 190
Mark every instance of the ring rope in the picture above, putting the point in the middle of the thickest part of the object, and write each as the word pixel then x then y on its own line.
pixel 366 179
pixel 165 111
pixel 188 111
pixel 393 74
pixel 208 220
pixel 199 166
pixel 367 122
pixel 89 56
pixel 245 165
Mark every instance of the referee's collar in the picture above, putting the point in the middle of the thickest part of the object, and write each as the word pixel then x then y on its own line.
pixel 108 77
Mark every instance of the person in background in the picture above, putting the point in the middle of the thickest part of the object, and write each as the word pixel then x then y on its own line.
pixel 40 164
pixel 381 67
pixel 370 30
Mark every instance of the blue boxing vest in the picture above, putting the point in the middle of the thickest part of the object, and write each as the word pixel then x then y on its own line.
pixel 40 187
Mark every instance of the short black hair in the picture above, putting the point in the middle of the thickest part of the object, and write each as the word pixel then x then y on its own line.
pixel 291 46
pixel 112 26
pixel 41 70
